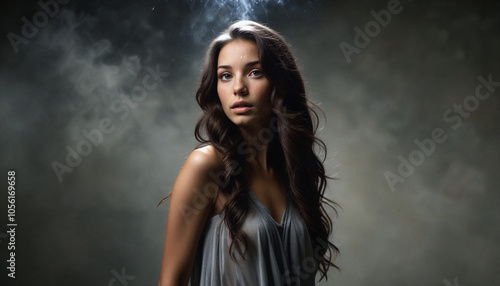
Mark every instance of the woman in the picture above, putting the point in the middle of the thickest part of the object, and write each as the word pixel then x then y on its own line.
pixel 247 207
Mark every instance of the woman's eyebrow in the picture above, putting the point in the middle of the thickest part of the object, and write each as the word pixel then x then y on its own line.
pixel 246 65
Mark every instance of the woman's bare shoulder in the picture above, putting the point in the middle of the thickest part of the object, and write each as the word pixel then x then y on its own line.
pixel 205 158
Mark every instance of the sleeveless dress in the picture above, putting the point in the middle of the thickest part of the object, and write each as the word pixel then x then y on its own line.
pixel 277 253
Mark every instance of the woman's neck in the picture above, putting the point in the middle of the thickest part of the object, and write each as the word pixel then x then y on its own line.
pixel 254 147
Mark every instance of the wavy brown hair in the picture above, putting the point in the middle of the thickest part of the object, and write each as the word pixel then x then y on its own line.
pixel 291 138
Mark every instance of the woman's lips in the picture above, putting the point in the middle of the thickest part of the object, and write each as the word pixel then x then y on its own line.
pixel 240 107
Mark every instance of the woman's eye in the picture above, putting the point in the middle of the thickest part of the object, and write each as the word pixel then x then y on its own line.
pixel 256 73
pixel 225 76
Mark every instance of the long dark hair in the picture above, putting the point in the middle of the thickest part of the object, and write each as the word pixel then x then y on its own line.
pixel 291 138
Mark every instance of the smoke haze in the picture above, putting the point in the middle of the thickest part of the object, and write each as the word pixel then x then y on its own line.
pixel 433 221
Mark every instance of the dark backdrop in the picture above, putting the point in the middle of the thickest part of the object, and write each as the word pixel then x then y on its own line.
pixel 411 132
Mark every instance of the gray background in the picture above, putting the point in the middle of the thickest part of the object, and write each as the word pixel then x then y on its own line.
pixel 438 227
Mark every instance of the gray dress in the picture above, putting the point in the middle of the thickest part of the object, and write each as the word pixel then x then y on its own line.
pixel 277 254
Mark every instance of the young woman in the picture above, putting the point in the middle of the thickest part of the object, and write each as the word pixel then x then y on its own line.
pixel 247 207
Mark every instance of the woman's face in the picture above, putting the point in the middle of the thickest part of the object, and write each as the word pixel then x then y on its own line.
pixel 244 91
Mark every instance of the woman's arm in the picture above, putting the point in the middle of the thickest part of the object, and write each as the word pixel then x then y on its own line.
pixel 190 206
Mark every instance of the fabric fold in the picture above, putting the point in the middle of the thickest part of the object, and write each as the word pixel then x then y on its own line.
pixel 278 254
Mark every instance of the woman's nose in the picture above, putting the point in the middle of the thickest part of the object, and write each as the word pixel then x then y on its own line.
pixel 240 87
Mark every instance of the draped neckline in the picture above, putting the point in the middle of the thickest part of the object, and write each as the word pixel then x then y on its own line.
pixel 266 210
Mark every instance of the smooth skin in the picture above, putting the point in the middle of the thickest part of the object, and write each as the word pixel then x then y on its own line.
pixel 240 77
